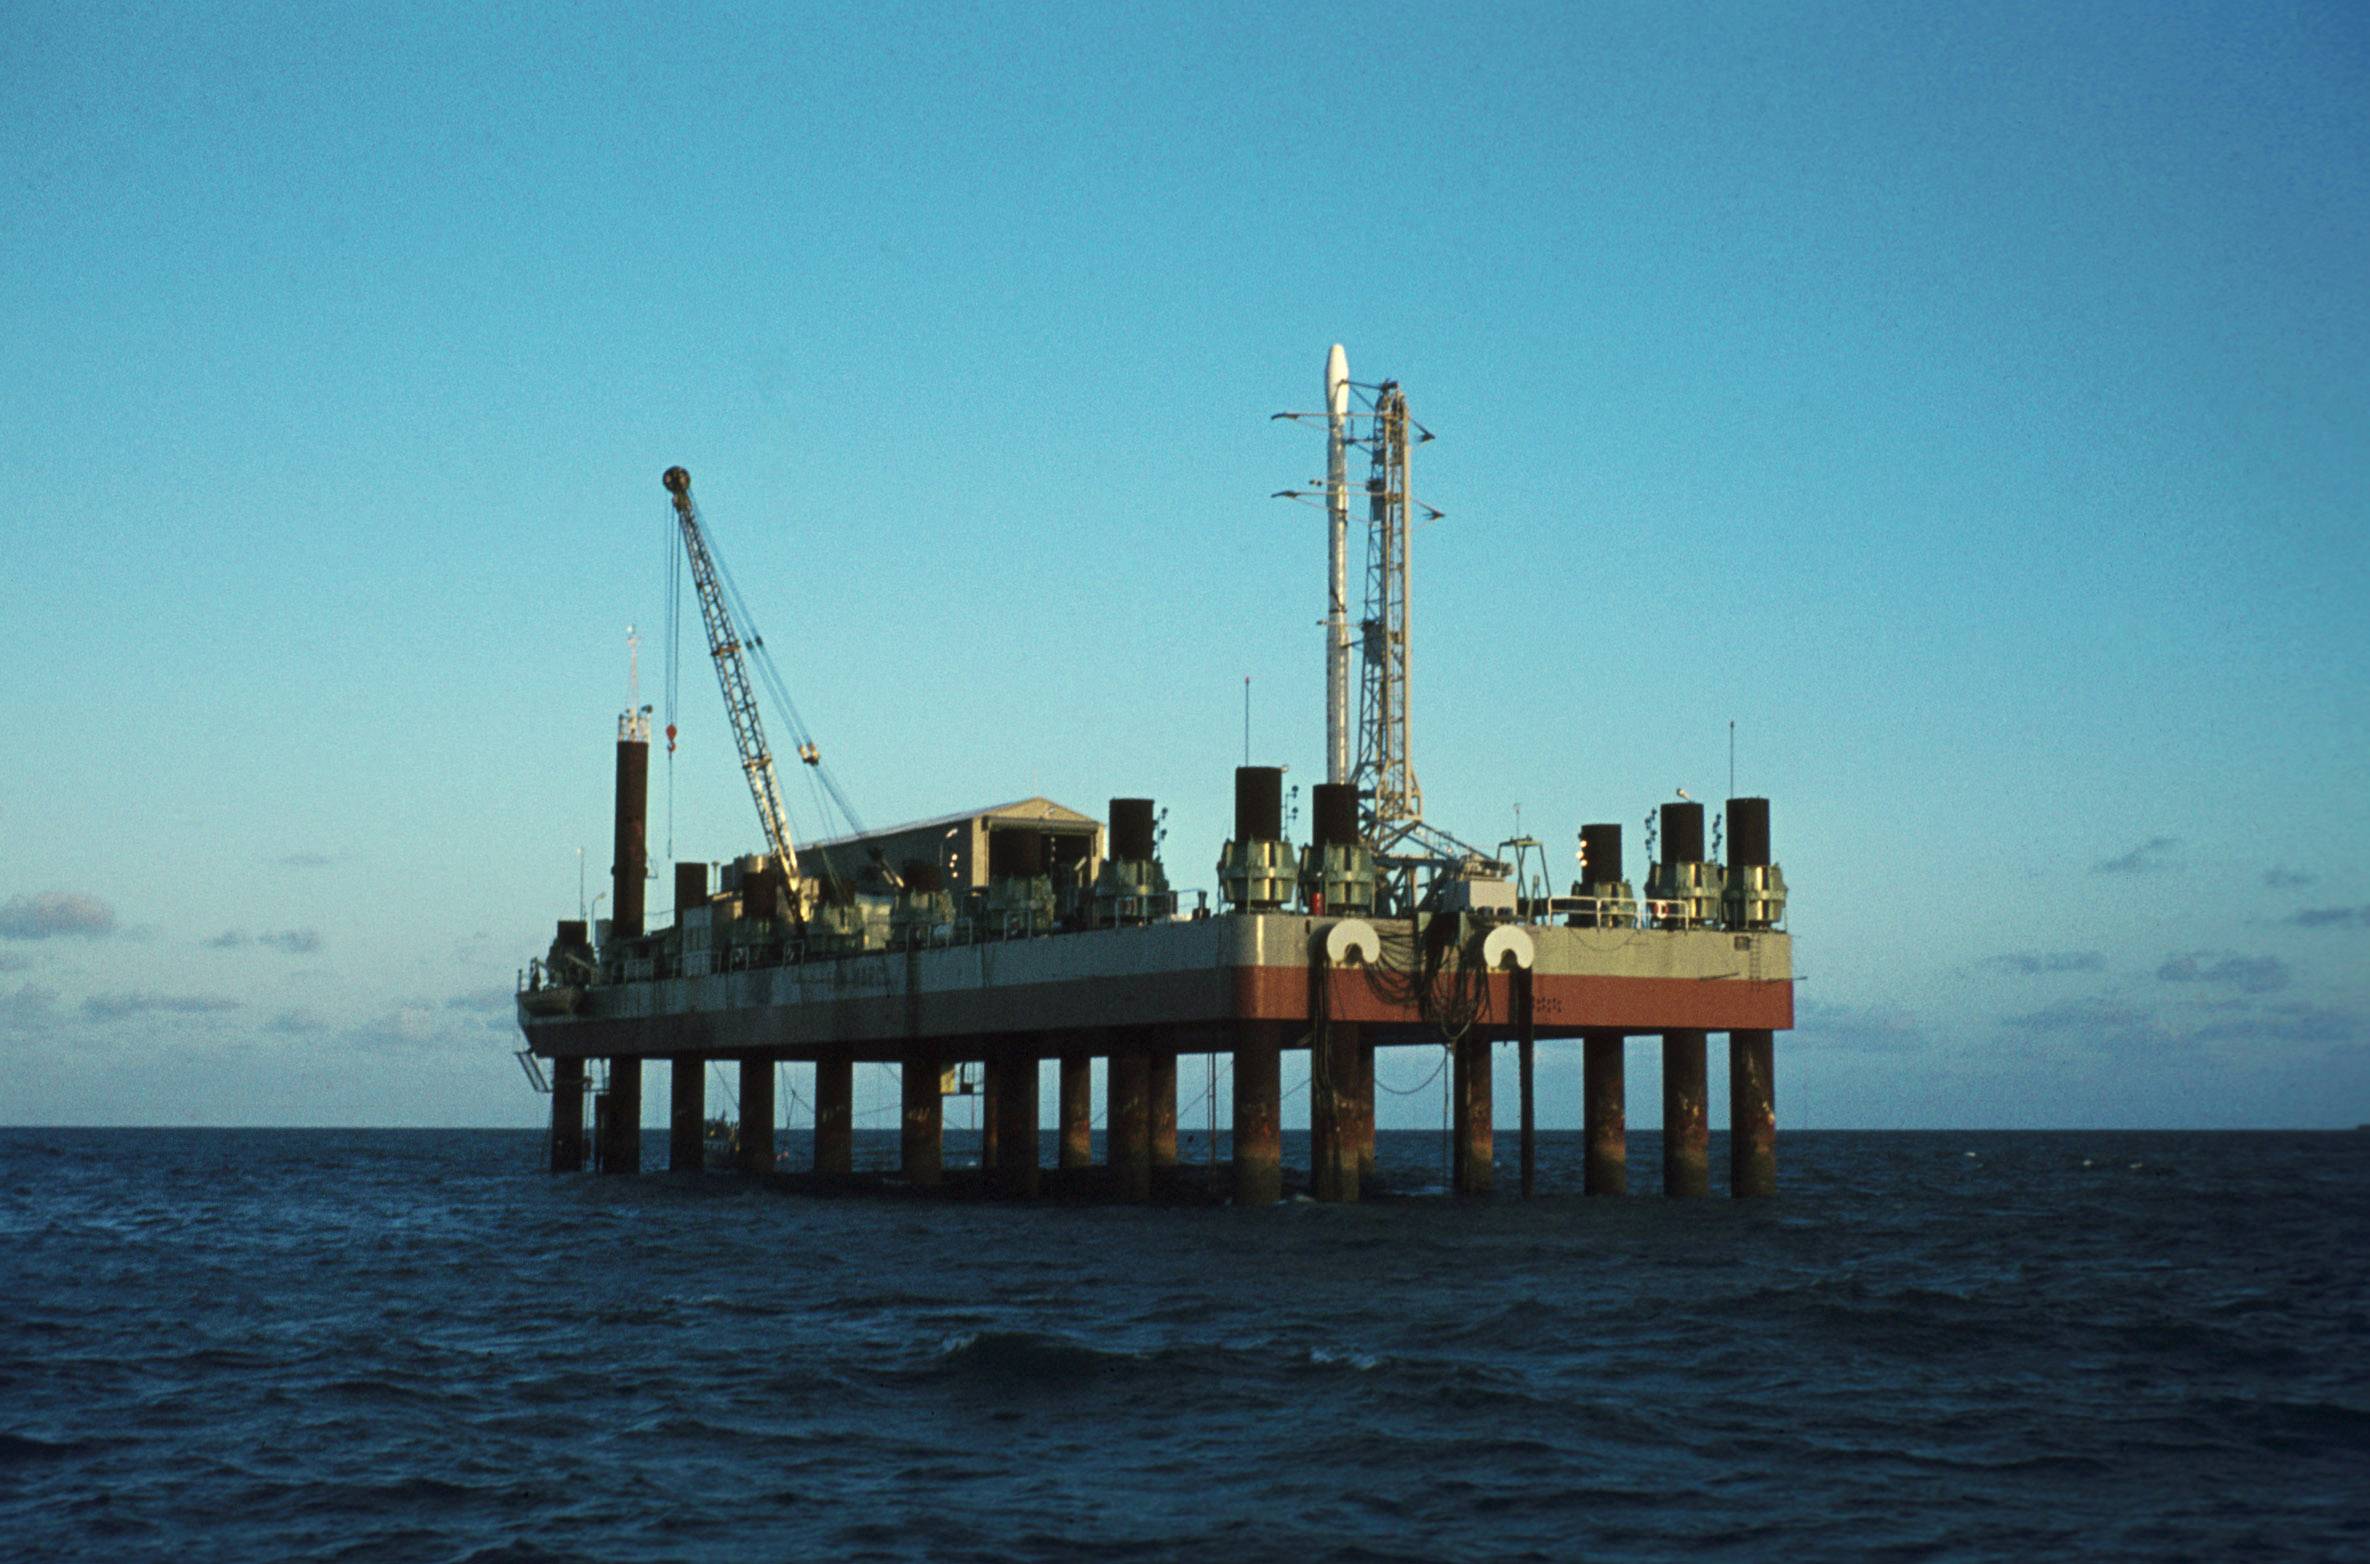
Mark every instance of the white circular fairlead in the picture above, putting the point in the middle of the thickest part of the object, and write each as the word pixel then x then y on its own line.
pixel 1504 945
pixel 1347 941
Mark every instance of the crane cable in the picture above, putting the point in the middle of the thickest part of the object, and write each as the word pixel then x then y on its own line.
pixel 671 538
pixel 829 799
pixel 753 643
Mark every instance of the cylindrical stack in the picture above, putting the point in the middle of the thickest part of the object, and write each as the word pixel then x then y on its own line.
pixel 687 1115
pixel 922 1153
pixel 1752 1114
pixel 1682 833
pixel 1604 1114
pixel 567 1115
pixel 1748 833
pixel 1131 829
pixel 835 1115
pixel 631 860
pixel 1258 1113
pixel 1333 811
pixel 1077 1100
pixel 1686 1129
pixel 691 888
pixel 1258 803
pixel 1602 845
pixel 621 1148
pixel 755 1137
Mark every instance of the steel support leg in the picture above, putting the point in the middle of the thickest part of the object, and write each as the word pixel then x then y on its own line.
pixel 991 1111
pixel 1752 1114
pixel 1605 1114
pixel 1526 1042
pixel 1127 1125
pixel 755 1137
pixel 1015 1066
pixel 1077 1110
pixel 1686 1130
pixel 1258 1113
pixel 567 1115
pixel 1475 1146
pixel 1160 1092
pixel 922 1153
pixel 1333 1113
pixel 621 1151
pixel 1365 1105
pixel 687 1115
pixel 835 1115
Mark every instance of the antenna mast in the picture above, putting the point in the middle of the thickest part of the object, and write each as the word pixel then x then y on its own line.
pixel 1337 516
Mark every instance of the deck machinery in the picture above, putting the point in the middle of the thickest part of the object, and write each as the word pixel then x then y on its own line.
pixel 1379 931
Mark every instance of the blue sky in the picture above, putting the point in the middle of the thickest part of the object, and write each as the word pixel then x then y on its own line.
pixel 1967 403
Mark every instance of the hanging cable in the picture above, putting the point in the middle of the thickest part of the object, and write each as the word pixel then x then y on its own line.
pixel 674 676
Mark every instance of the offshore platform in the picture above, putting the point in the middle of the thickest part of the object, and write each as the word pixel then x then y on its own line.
pixel 975 947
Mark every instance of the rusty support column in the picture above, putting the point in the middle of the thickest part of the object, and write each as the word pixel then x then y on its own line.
pixel 1604 1114
pixel 567 1115
pixel 1526 1042
pixel 1365 1105
pixel 1686 1130
pixel 1258 1113
pixel 687 1115
pixel 922 1132
pixel 1127 1123
pixel 1077 1110
pixel 1474 1146
pixel 1014 1069
pixel 835 1115
pixel 1333 1137
pixel 1160 1092
pixel 1752 1114
pixel 755 1137
pixel 621 1145
pixel 991 1092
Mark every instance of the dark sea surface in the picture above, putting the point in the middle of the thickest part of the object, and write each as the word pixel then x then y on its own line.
pixel 226 1344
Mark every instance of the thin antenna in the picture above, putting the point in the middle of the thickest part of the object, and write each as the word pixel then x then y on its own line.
pixel 1732 757
pixel 1246 719
pixel 633 668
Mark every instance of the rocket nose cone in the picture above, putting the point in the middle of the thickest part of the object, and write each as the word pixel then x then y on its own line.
pixel 1337 380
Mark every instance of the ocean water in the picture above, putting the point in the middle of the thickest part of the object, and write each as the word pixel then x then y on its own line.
pixel 416 1345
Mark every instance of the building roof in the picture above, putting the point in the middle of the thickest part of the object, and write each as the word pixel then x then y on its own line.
pixel 1023 809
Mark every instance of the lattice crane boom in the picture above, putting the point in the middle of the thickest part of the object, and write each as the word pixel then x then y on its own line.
pixel 732 672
